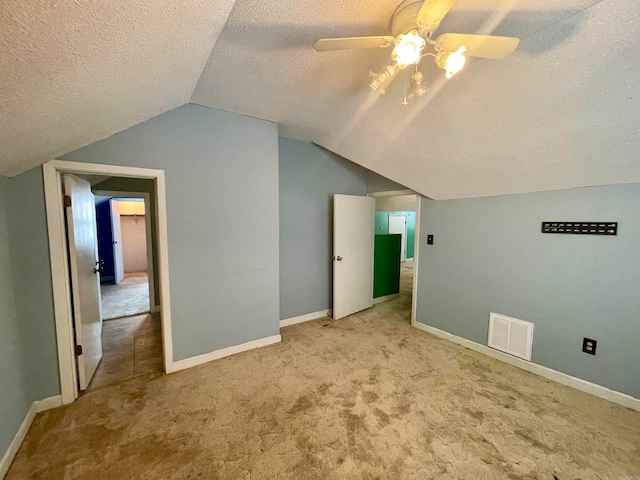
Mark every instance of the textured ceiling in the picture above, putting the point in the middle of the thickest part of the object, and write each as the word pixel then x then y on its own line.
pixel 563 111
pixel 73 72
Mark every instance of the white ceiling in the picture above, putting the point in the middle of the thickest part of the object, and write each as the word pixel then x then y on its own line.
pixel 563 111
pixel 73 72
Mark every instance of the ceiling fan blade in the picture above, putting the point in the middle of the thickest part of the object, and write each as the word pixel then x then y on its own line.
pixel 327 44
pixel 484 46
pixel 432 12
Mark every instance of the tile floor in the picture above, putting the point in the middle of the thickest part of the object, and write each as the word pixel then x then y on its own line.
pixel 131 347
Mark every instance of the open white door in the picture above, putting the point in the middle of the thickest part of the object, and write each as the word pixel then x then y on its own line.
pixel 116 229
pixel 398 224
pixel 353 230
pixel 85 282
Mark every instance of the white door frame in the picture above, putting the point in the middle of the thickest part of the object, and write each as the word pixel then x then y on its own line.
pixel 405 235
pixel 147 223
pixel 52 173
pixel 416 244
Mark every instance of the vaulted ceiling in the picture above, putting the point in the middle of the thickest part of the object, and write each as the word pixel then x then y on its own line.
pixel 73 72
pixel 563 111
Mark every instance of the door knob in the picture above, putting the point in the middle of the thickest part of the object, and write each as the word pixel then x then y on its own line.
pixel 339 258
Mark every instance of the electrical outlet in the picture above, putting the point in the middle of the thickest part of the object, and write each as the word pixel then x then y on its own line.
pixel 429 239
pixel 589 346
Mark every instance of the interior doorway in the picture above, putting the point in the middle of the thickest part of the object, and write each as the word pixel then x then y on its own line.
pixel 396 233
pixel 131 335
pixel 370 263
pixel 80 328
pixel 125 249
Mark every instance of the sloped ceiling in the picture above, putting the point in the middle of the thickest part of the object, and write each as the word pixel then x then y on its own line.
pixel 563 111
pixel 73 72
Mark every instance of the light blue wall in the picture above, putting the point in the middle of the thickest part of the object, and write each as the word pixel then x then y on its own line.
pixel 378 183
pixel 490 256
pixel 15 395
pixel 309 177
pixel 382 227
pixel 32 281
pixel 28 356
pixel 223 261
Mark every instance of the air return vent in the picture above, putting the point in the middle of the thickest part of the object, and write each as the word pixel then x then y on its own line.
pixel 510 335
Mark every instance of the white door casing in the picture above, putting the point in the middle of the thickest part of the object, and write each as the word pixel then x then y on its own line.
pixel 116 229
pixel 353 239
pixel 398 224
pixel 85 282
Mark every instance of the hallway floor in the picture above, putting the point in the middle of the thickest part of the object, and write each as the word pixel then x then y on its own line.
pixel 406 279
pixel 367 396
pixel 129 297
pixel 131 347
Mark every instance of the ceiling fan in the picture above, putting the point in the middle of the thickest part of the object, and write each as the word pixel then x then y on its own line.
pixel 412 27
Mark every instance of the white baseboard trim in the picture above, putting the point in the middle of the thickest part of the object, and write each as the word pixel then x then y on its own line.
pixel 35 408
pixel 386 298
pixel 48 403
pixel 559 377
pixel 224 352
pixel 304 318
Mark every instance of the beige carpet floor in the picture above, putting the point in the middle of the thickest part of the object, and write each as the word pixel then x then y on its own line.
pixel 129 297
pixel 361 398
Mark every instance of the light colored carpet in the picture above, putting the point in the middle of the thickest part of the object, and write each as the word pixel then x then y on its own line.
pixel 129 297
pixel 364 397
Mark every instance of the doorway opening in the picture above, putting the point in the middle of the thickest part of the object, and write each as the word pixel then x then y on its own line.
pixel 375 251
pixel 125 253
pixel 131 335
pixel 94 350
pixel 395 250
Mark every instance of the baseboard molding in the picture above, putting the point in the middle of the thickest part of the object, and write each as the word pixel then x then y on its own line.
pixel 48 403
pixel 35 408
pixel 304 318
pixel 225 352
pixel 386 298
pixel 548 373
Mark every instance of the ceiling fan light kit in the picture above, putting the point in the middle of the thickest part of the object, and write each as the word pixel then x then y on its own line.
pixel 381 80
pixel 451 62
pixel 408 49
pixel 412 26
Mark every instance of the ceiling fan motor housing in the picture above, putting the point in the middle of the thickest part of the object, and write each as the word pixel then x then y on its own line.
pixel 405 18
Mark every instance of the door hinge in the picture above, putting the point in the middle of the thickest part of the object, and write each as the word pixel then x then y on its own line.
pixel 67 200
pixel 78 350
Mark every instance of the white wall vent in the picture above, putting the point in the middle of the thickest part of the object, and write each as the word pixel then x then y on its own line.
pixel 510 335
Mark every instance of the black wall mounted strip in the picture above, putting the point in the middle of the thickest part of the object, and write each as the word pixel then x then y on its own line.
pixel 581 228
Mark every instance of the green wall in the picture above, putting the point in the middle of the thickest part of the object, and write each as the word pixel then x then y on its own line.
pixel 490 256
pixel 386 265
pixel 382 227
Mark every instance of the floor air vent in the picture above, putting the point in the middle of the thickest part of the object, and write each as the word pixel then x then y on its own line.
pixel 510 335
